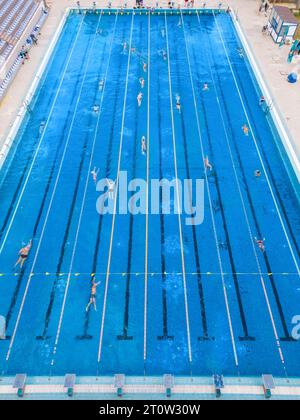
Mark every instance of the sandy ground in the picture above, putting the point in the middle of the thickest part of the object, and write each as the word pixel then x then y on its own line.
pixel 271 58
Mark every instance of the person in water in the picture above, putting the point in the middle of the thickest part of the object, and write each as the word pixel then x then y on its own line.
pixel 261 244
pixel 111 188
pixel 145 67
pixel 178 104
pixel 23 254
pixel 257 173
pixel 92 300
pixel 207 164
pixel 142 82
pixel 139 99
pixel 101 84
pixel 205 87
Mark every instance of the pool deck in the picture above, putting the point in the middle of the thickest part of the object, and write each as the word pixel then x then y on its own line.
pixel 272 61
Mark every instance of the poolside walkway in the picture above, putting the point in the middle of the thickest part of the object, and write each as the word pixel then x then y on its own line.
pixel 271 58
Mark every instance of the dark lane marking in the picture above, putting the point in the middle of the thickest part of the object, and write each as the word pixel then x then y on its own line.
pixel 85 335
pixel 205 335
pixel 287 336
pixel 246 336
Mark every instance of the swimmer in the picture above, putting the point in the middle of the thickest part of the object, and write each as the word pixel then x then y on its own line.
pixel 142 82
pixel 207 164
pixel 101 84
pixel 245 130
pixel 143 145
pixel 163 33
pixel 23 254
pixel 139 99
pixel 96 109
pixel 257 173
pixel 42 127
pixel 261 244
pixel 124 47
pixel 205 87
pixel 178 105
pixel 92 300
pixel 145 67
pixel 94 174
pixel 111 188
pixel 262 100
pixel 241 52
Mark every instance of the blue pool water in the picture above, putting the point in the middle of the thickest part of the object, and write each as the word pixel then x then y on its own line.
pixel 172 298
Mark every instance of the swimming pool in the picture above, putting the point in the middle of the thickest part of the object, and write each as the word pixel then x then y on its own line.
pixel 172 298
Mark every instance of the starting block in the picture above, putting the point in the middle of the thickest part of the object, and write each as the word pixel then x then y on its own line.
pixel 70 380
pixel 169 384
pixel 119 384
pixel 19 383
pixel 219 384
pixel 2 328
pixel 268 384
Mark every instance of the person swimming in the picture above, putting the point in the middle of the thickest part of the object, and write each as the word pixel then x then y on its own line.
pixel 145 67
pixel 111 188
pixel 241 52
pixel 23 254
pixel 96 109
pixel 178 104
pixel 124 47
pixel 92 300
pixel 143 145
pixel 205 87
pixel 139 99
pixel 94 174
pixel 207 164
pixel 142 82
pixel 245 130
pixel 261 244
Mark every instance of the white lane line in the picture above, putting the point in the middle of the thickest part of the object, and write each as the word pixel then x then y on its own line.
pixel 178 201
pixel 251 236
pixel 147 195
pixel 52 196
pixel 257 149
pixel 88 177
pixel 116 199
pixel 210 202
pixel 40 142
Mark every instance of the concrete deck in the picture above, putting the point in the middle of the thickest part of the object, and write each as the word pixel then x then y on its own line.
pixel 271 58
